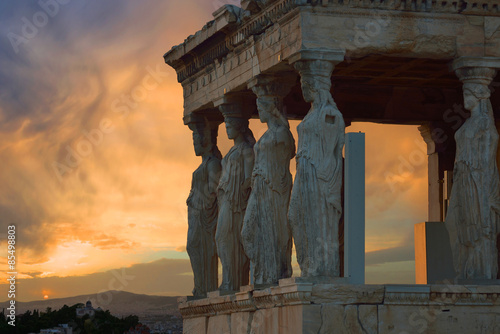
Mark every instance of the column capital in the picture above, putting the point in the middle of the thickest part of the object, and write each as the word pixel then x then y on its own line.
pixel 241 106
pixel 272 84
pixel 425 132
pixel 478 70
pixel 202 117
pixel 198 121
pixel 332 56
pixel 491 62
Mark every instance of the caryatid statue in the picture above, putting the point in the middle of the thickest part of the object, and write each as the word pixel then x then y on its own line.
pixel 315 205
pixel 202 206
pixel 266 234
pixel 233 193
pixel 474 209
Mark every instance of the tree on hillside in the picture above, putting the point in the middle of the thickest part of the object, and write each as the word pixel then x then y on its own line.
pixel 103 322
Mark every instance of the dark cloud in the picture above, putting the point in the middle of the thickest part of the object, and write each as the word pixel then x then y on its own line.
pixel 52 90
pixel 396 254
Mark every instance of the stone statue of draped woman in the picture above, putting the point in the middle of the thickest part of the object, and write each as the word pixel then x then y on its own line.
pixel 473 213
pixel 266 234
pixel 233 193
pixel 203 209
pixel 315 205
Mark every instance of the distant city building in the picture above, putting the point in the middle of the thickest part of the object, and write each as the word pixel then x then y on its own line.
pixel 88 309
pixel 139 329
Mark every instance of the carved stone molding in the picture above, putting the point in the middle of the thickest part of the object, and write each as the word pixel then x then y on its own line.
pixel 341 294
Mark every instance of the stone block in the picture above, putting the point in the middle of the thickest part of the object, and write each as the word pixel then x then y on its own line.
pixel 347 294
pixel 290 319
pixel 433 259
pixel 492 36
pixel 240 322
pixel 265 321
pixel 310 318
pixel 368 315
pixel 438 319
pixel 219 324
pixel 348 319
pixel 479 282
pixel 195 325
pixel 349 309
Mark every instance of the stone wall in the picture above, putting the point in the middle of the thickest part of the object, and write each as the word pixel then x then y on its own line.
pixel 299 307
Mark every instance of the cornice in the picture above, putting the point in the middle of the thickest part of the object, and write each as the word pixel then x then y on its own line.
pixel 342 294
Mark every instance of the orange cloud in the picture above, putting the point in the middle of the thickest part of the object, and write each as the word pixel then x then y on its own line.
pixel 97 164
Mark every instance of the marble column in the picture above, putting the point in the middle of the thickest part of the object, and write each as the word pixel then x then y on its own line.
pixel 266 234
pixel 435 200
pixel 315 205
pixel 233 193
pixel 202 205
pixel 474 210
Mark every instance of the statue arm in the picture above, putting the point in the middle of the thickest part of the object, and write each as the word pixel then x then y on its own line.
pixel 214 172
pixel 331 142
pixel 285 142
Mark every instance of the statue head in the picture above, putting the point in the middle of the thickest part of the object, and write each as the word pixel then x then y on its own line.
pixel 270 108
pixel 476 92
pixel 204 137
pixel 315 78
pixel 238 126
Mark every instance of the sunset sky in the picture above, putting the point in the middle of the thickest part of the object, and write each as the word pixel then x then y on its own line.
pixel 115 217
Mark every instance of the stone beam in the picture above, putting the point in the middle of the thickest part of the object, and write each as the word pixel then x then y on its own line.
pixel 357 32
pixel 406 34
pixel 243 42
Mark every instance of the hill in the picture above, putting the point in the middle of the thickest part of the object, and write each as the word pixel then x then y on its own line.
pixel 119 303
